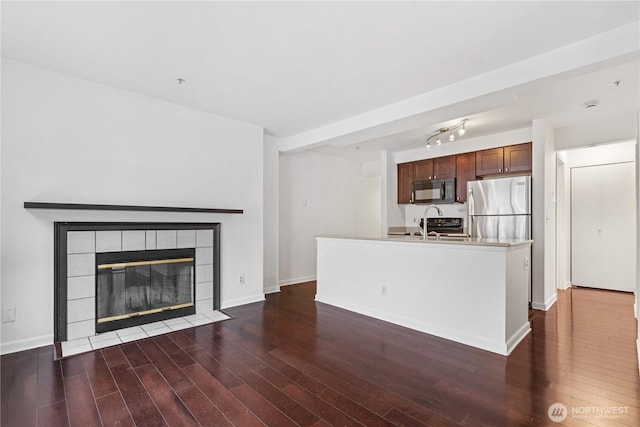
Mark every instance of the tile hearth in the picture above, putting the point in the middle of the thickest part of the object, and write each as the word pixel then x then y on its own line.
pixel 107 339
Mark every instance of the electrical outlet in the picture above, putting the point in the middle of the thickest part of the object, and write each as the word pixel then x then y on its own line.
pixel 526 263
pixel 383 290
pixel 241 279
pixel 8 314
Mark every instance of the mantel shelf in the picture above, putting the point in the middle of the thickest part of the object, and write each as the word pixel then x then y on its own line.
pixel 98 207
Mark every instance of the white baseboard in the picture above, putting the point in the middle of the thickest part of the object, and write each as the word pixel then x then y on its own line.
pixel 242 301
pixel 26 344
pixel 518 336
pixel 271 289
pixel 296 280
pixel 547 304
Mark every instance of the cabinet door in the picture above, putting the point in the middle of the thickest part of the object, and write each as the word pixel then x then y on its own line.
pixel 517 158
pixel 405 182
pixel 489 162
pixel 444 167
pixel 423 170
pixel 465 171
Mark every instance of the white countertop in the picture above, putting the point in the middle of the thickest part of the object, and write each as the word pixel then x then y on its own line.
pixel 443 241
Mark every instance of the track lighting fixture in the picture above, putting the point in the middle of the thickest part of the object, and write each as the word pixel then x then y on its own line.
pixel 460 127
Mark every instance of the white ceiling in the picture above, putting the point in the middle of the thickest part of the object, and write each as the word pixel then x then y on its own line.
pixel 293 67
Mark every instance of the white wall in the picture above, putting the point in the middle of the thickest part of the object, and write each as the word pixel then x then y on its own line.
pixel 271 209
pixel 392 214
pixel 543 258
pixel 70 140
pixel 637 302
pixel 619 152
pixel 367 212
pixel 563 226
pixel 611 129
pixel 321 195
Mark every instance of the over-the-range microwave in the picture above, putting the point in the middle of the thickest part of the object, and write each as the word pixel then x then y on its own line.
pixel 434 191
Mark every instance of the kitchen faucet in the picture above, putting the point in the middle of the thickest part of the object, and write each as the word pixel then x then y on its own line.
pixel 424 229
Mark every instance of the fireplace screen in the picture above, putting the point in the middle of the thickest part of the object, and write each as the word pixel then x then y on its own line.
pixel 144 283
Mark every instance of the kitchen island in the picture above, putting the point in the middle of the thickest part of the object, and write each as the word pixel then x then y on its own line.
pixel 472 291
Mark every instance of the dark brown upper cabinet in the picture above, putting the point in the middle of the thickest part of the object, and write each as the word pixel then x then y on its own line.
pixel 444 167
pixel 465 172
pixel 517 158
pixel 512 158
pixel 405 183
pixel 423 170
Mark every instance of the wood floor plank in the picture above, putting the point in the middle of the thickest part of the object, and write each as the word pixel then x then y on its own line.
pixel 163 363
pixel 270 392
pixel 53 415
pixel 176 354
pixel 72 366
pixel 170 406
pixel 134 354
pixel 319 407
pixel 263 409
pixel 220 396
pixel 215 368
pixel 98 373
pixel 81 405
pixel 50 383
pixel 140 405
pixel 114 356
pixel 113 411
pixel 203 410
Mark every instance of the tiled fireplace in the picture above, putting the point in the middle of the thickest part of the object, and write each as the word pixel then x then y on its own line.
pixel 112 276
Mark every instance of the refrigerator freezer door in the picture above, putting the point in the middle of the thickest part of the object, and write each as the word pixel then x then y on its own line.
pixel 501 227
pixel 502 196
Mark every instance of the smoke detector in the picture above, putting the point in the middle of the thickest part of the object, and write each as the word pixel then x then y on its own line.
pixel 591 104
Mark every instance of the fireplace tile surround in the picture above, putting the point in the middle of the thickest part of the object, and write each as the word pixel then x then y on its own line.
pixel 76 248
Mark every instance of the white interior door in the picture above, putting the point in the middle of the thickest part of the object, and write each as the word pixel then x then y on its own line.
pixel 603 232
pixel 586 226
pixel 618 226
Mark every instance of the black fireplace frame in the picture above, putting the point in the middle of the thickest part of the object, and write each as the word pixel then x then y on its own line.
pixel 60 259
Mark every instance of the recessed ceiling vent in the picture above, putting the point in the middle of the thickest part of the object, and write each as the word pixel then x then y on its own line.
pixel 592 103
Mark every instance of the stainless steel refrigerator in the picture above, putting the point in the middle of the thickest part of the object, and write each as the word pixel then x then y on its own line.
pixel 500 208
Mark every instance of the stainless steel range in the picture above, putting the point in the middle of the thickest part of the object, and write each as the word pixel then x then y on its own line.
pixel 444 226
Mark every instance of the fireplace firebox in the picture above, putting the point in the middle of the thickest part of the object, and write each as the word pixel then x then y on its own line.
pixel 138 287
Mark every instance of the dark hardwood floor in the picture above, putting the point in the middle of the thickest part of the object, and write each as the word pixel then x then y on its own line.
pixel 290 361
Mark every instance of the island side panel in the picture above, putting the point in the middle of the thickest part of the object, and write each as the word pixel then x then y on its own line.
pixel 457 292
pixel 518 278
